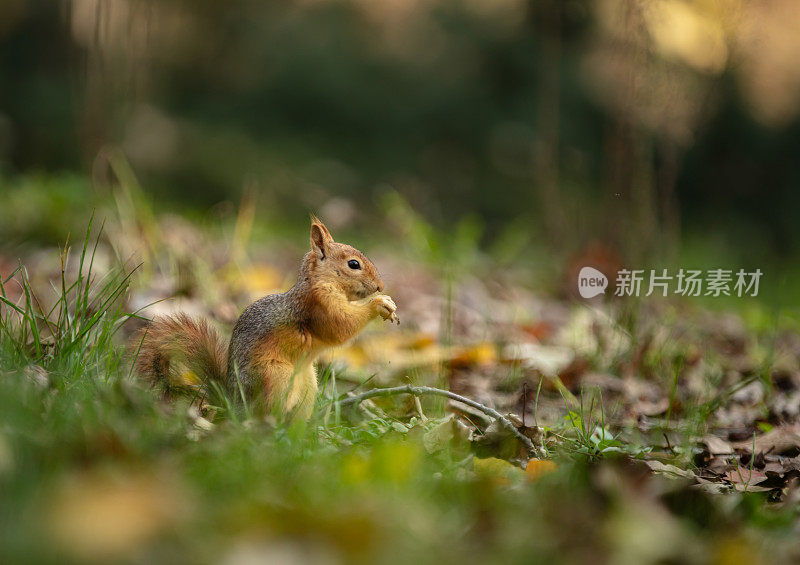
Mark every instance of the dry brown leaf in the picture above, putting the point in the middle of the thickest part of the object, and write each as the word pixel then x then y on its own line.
pixel 538 330
pixel 717 446
pixel 547 359
pixel 778 441
pixel 670 470
pixel 449 433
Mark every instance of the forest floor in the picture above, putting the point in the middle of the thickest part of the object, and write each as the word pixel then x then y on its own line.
pixel 665 430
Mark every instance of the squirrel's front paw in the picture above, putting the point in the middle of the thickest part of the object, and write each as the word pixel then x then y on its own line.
pixel 385 307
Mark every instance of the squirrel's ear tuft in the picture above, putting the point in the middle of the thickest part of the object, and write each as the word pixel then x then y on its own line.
pixel 316 221
pixel 320 237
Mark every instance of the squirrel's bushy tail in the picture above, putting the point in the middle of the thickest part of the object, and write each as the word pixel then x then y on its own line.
pixel 171 346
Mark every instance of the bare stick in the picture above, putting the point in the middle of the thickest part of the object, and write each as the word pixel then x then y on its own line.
pixel 420 390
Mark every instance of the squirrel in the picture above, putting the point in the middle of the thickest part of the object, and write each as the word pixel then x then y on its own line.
pixel 277 339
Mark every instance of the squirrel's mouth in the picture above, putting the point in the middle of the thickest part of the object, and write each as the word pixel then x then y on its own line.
pixel 363 293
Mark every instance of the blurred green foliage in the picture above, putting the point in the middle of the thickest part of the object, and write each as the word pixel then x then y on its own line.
pixel 42 208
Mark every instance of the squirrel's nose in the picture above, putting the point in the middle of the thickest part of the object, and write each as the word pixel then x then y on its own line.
pixel 380 286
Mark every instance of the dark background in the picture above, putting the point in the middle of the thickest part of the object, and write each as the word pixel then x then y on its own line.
pixel 644 125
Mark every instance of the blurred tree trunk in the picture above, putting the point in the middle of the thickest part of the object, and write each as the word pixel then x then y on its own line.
pixel 548 15
pixel 631 219
pixel 113 73
pixel 670 218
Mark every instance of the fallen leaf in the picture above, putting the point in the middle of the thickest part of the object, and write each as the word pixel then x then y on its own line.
pixel 538 467
pixel 736 551
pixel 497 470
pixel 400 351
pixel 669 470
pixel 745 479
pixel 451 432
pixel 717 446
pixel 780 440
pixel 496 441
pixel 37 375
pixel 259 280
pixel 479 354
pixel 538 330
pixel 547 359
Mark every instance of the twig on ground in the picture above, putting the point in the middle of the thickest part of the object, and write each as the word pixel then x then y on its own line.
pixel 471 414
pixel 421 390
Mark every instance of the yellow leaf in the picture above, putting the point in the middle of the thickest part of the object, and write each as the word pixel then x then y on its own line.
pixel 261 279
pixel 735 551
pixel 399 350
pixel 421 341
pixel 536 468
pixel 480 354
pixel 499 471
pixel 397 461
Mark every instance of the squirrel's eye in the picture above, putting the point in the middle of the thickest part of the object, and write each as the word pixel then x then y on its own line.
pixel 353 264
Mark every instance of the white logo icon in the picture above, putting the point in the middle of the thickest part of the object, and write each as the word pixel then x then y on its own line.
pixel 591 282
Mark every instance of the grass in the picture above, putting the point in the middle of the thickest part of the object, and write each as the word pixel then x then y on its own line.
pixel 94 467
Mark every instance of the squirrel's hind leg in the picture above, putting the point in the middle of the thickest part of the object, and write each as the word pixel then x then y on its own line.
pixel 290 390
